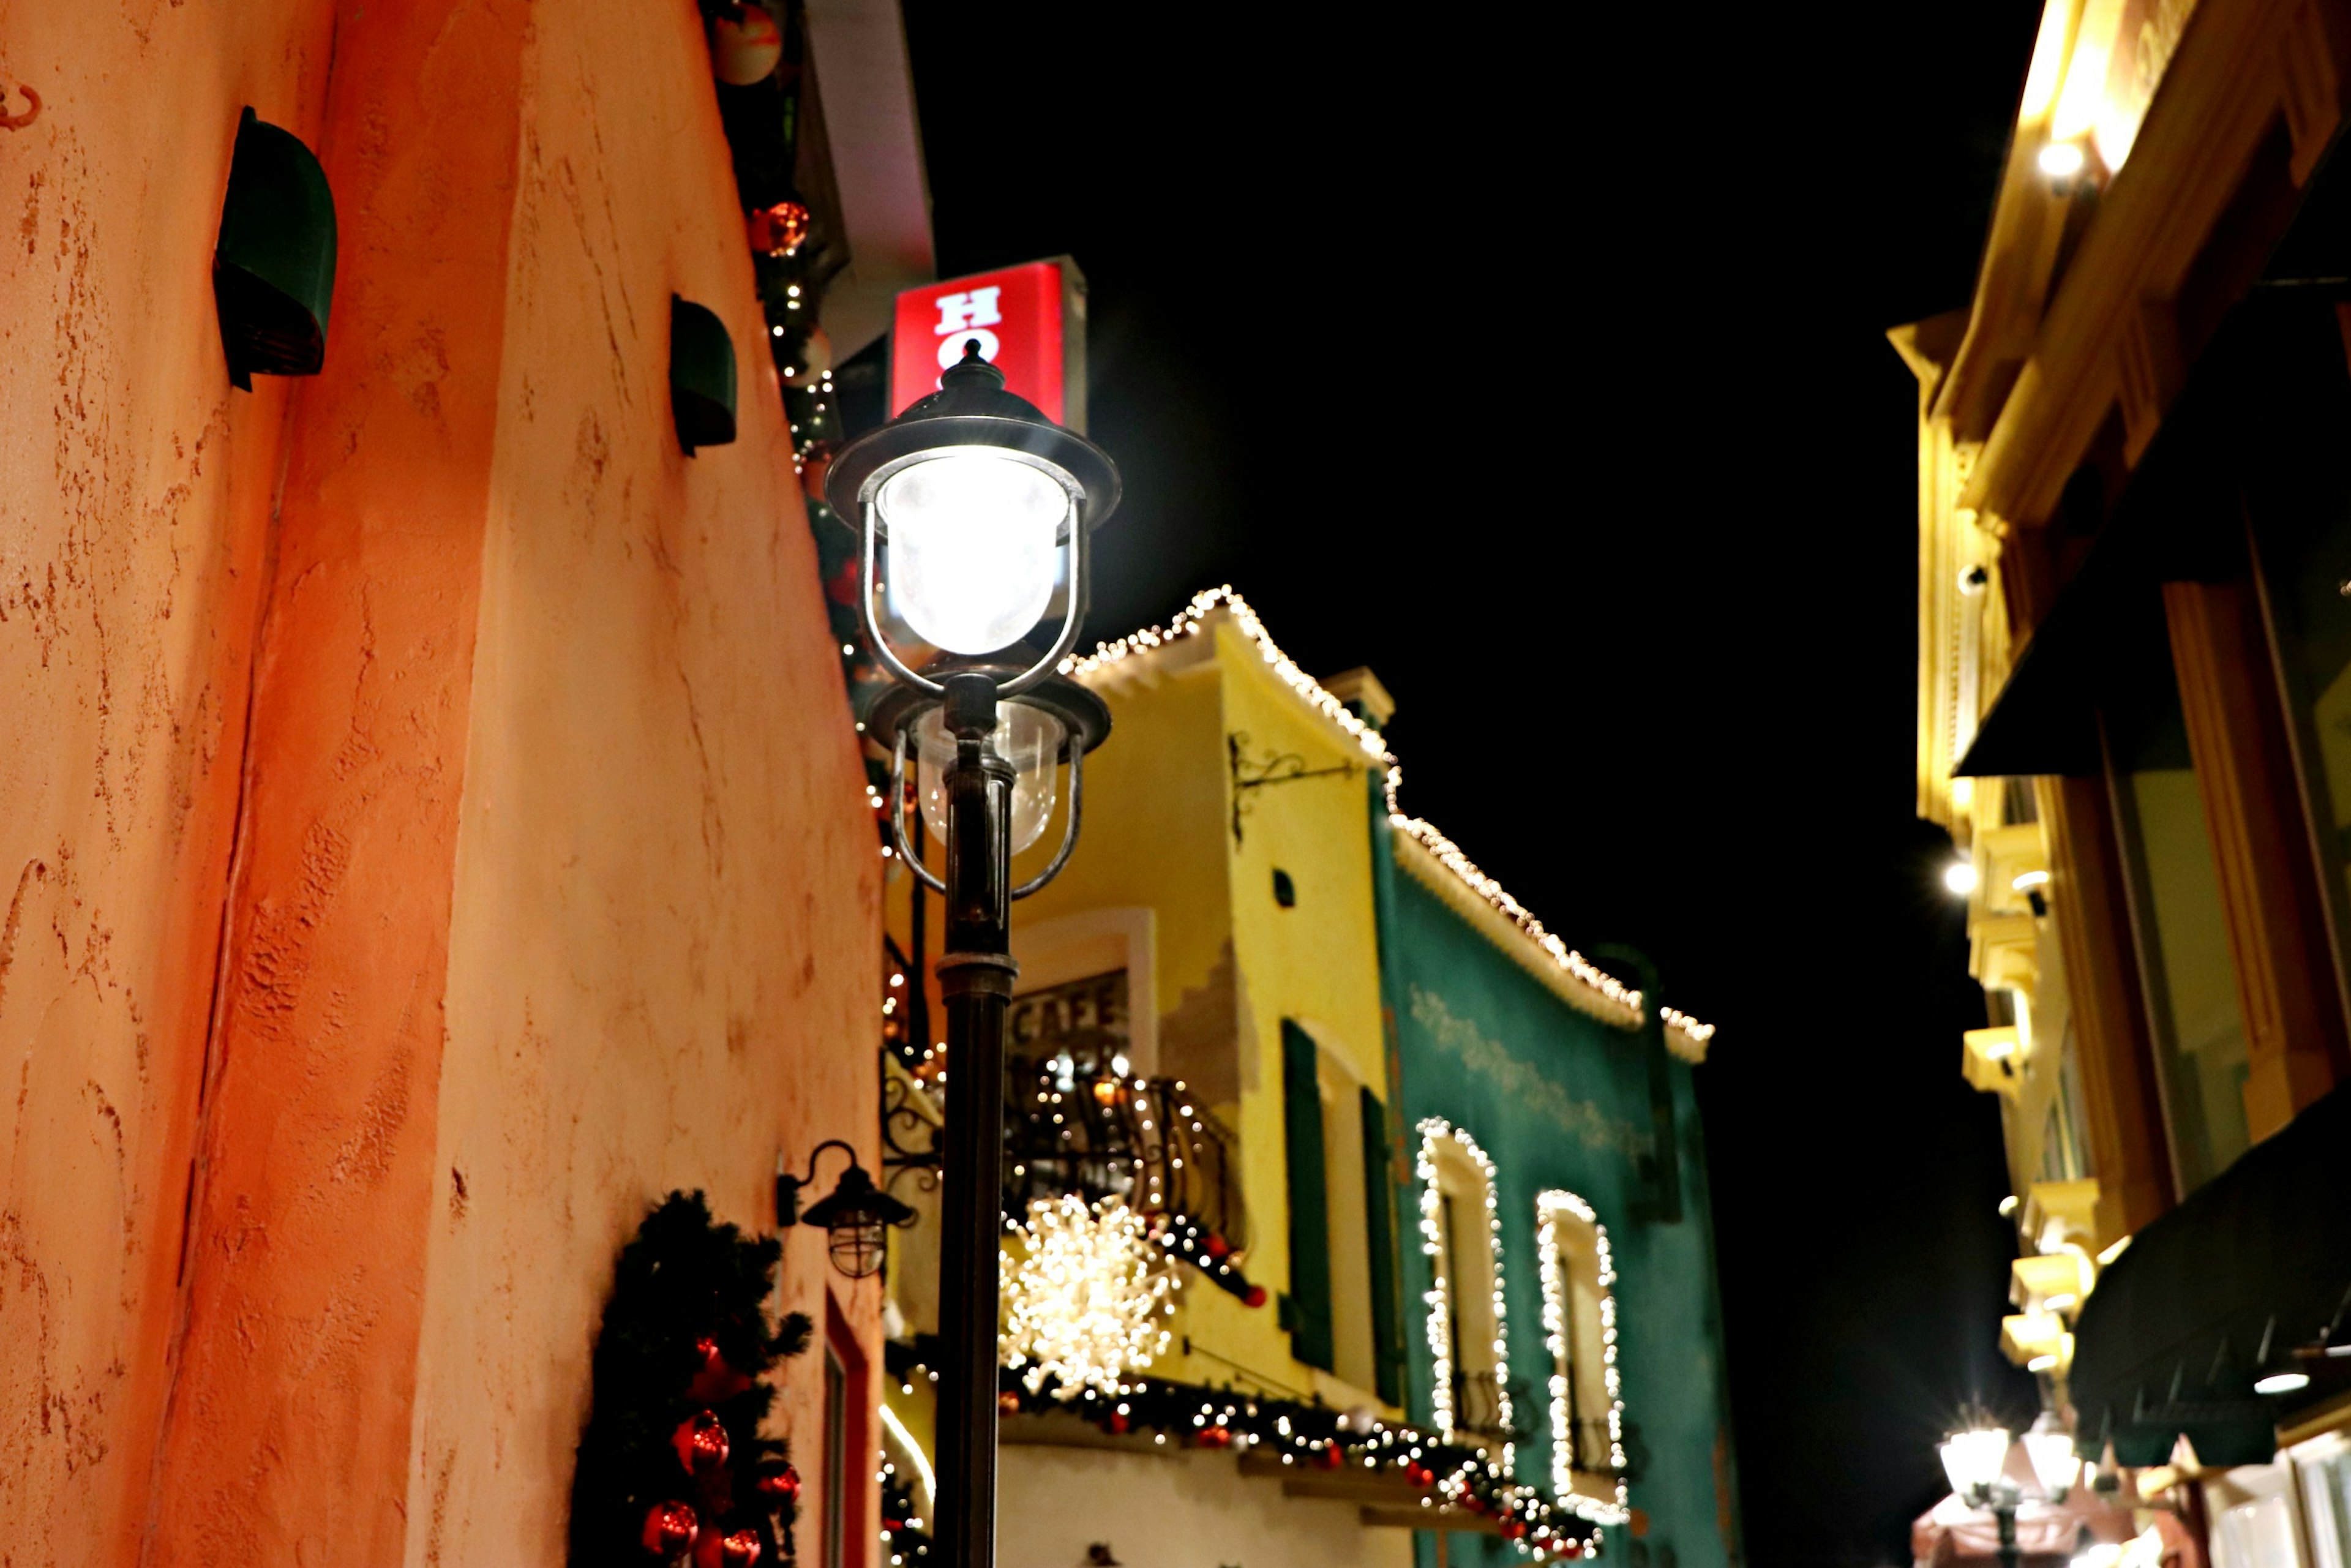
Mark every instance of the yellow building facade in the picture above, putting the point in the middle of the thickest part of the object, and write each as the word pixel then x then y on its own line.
pixel 2126 592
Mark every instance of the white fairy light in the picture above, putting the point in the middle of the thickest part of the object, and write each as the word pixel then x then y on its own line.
pixel 1189 621
pixel 1548 1208
pixel 1433 1130
pixel 1086 1297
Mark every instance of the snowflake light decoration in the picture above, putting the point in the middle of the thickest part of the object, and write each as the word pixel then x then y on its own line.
pixel 1086 1296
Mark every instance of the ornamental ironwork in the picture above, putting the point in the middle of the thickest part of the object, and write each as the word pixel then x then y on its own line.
pixel 1251 774
pixel 1075 1126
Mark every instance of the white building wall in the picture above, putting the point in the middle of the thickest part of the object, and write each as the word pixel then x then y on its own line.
pixel 1189 1509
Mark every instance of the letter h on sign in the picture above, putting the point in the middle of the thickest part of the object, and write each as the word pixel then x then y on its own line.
pixel 968 315
pixel 1028 321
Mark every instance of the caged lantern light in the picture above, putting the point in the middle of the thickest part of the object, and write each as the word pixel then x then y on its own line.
pixel 985 505
pixel 854 1216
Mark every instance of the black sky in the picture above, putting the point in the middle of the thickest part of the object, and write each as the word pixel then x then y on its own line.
pixel 1536 358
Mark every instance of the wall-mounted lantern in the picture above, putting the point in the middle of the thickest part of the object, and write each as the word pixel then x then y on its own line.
pixel 273 267
pixel 852 1218
pixel 701 376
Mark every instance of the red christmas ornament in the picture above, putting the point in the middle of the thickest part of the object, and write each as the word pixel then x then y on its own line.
pixel 1256 1297
pixel 1007 1403
pixel 780 1487
pixel 1513 1529
pixel 745 46
pixel 739 1550
pixel 670 1530
pixel 1216 1245
pixel 841 587
pixel 701 1442
pixel 1331 1457
pixel 779 230
pixel 1118 1423
pixel 715 1382
pixel 1217 1437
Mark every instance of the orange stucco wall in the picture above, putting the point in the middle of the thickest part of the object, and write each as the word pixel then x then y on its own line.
pixel 666 950
pixel 135 496
pixel 432 823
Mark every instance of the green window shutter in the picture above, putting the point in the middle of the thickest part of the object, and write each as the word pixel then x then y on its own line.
pixel 1379 1237
pixel 1310 1201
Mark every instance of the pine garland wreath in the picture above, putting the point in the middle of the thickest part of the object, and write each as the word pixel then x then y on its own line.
pixel 673 1466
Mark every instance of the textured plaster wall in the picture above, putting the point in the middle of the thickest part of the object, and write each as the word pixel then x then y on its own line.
pixel 428 817
pixel 664 951
pixel 288 1434
pixel 135 492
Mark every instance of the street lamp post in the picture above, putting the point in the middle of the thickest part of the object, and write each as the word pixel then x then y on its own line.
pixel 985 503
pixel 1976 1460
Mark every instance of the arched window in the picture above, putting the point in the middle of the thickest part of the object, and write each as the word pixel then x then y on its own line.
pixel 1587 1406
pixel 1461 1232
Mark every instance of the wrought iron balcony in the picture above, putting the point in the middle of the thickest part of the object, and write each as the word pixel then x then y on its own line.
pixel 1478 1406
pixel 1589 1451
pixel 1072 1129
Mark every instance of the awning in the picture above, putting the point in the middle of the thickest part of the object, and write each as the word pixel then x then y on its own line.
pixel 2103 643
pixel 2256 1263
pixel 2275 358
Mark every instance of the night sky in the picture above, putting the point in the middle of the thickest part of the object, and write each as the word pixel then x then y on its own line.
pixel 1543 369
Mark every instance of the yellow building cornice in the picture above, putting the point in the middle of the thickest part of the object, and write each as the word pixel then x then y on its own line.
pixel 1432 858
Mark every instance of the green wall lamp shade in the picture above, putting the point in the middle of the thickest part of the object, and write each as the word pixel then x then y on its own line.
pixel 274 270
pixel 701 376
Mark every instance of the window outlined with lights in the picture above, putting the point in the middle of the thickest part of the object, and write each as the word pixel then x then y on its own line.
pixel 1587 1403
pixel 1467 1324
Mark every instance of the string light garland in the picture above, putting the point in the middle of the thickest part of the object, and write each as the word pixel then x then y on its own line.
pixel 1442 1474
pixel 1434 1131
pixel 1549 1206
pixel 1189 621
pixel 1087 1297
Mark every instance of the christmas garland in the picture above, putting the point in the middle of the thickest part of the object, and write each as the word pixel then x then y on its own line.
pixel 673 1466
pixel 1317 1438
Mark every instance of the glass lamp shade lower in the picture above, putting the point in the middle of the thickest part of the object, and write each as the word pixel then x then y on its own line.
pixel 1026 736
pixel 857 1247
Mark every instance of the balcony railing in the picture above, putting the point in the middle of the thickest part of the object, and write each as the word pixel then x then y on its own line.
pixel 1589 1451
pixel 1140 1139
pixel 1478 1406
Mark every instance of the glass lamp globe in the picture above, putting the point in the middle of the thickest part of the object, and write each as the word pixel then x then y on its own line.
pixel 2050 1449
pixel 1026 736
pixel 1972 1459
pixel 973 551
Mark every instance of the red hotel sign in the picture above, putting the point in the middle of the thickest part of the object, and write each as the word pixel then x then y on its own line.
pixel 1030 322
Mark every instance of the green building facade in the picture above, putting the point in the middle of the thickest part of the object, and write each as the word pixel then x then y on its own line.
pixel 1581 1321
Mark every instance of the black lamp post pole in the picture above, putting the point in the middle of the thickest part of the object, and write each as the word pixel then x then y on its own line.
pixel 2001 1499
pixel 975 974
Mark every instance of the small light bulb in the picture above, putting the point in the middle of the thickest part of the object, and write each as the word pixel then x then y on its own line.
pixel 2062 160
pixel 1959 876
